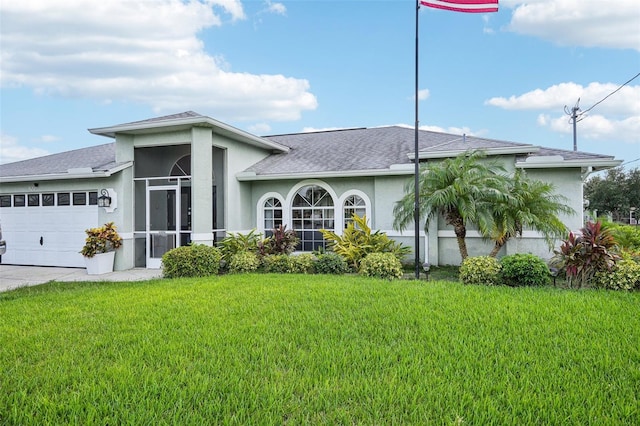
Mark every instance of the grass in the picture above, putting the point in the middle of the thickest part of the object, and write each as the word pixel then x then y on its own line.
pixel 293 349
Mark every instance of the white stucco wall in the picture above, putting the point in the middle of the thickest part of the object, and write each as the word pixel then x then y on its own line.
pixel 239 209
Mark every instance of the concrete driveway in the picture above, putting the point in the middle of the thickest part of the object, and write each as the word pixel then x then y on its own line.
pixel 14 276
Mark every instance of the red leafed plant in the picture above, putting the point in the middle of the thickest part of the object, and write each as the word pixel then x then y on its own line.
pixel 282 241
pixel 585 253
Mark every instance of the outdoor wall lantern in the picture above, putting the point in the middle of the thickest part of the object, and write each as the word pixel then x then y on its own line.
pixel 108 199
pixel 104 200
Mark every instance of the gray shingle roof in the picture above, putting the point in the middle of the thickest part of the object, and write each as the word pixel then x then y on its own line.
pixel 378 148
pixel 98 158
pixel 359 149
pixel 573 155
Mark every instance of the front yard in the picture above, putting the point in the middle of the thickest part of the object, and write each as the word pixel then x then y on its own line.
pixel 297 349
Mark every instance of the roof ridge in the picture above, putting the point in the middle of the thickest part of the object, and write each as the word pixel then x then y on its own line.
pixel 185 114
pixel 316 131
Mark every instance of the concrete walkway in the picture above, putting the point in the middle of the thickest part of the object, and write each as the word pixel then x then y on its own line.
pixel 14 276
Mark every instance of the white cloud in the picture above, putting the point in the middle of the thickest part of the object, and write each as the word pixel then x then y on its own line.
pixel 596 127
pixel 623 101
pixel 423 94
pixel 616 116
pixel 145 52
pixel 11 151
pixel 48 138
pixel 259 128
pixel 588 23
pixel 323 129
pixel 277 8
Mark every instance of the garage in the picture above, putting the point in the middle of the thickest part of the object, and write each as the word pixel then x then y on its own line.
pixel 47 229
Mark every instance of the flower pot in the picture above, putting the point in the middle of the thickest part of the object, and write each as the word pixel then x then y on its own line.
pixel 101 263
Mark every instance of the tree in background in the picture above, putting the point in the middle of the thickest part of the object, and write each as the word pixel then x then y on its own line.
pixel 615 193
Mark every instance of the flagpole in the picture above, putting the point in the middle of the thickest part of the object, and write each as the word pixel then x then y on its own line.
pixel 416 212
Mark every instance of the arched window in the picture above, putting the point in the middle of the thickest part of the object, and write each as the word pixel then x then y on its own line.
pixel 353 204
pixel 182 167
pixel 272 209
pixel 312 210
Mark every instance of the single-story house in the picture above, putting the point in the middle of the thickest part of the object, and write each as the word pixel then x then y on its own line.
pixel 187 178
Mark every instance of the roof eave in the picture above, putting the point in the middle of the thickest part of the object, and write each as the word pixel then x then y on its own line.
pixel 134 128
pixel 394 170
pixel 71 174
pixel 600 164
pixel 526 149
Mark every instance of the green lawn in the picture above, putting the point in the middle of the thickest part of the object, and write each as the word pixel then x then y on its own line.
pixel 292 349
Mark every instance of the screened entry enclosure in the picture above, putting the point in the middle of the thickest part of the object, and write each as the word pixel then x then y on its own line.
pixel 163 213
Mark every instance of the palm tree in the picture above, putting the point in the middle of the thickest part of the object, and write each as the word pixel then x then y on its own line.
pixel 461 189
pixel 533 205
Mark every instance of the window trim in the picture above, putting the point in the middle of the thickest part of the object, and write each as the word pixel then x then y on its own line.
pixel 260 210
pixel 367 207
pixel 309 182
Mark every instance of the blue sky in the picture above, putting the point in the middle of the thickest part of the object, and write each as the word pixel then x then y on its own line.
pixel 272 67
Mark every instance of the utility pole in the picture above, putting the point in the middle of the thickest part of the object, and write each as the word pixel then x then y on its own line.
pixel 574 120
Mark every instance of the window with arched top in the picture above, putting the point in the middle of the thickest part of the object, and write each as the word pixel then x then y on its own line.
pixel 312 209
pixel 272 210
pixel 182 167
pixel 353 204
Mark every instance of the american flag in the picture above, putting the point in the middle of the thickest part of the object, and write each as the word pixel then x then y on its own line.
pixel 469 6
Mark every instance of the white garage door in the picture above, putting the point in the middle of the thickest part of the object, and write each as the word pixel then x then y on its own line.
pixel 47 229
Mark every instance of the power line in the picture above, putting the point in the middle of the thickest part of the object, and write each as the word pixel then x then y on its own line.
pixel 575 116
pixel 602 100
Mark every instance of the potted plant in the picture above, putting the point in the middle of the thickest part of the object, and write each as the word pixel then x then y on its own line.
pixel 99 248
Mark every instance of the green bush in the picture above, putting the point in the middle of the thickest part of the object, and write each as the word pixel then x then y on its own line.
pixel 236 242
pixel 303 263
pixel 196 260
pixel 244 261
pixel 480 270
pixel 624 276
pixel 285 264
pixel 524 269
pixel 381 265
pixel 330 263
pixel 277 263
pixel 626 236
pixel 357 241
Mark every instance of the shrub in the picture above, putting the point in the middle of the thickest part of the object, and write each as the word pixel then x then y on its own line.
pixel 524 270
pixel 381 265
pixel 624 276
pixel 195 260
pixel 277 263
pixel 244 261
pixel 582 255
pixel 357 241
pixel 303 263
pixel 236 242
pixel 330 263
pixel 282 241
pixel 627 237
pixel 480 270
pixel 285 264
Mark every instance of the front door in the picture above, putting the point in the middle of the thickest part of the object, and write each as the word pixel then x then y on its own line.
pixel 164 217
